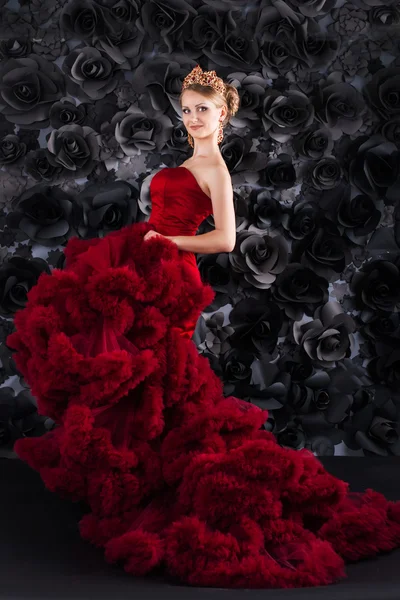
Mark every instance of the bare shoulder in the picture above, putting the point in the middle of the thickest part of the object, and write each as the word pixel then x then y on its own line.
pixel 218 174
pixel 218 169
pixel 209 173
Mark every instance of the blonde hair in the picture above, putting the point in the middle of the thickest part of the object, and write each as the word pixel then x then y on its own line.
pixel 230 99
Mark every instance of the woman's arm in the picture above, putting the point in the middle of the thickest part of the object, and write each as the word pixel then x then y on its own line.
pixel 206 243
pixel 223 238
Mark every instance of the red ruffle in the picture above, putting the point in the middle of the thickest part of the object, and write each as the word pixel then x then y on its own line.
pixel 174 474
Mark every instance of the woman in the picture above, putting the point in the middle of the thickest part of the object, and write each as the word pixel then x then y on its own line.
pixel 175 476
pixel 204 118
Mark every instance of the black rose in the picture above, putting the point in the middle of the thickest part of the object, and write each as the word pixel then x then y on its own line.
pixel 8 367
pixel 135 132
pixel 19 417
pixel 126 47
pixel 279 172
pixel 384 429
pixel 212 336
pixel 119 36
pixel 236 371
pixel 11 149
pixel 6 328
pixel 84 19
pixel 102 208
pixel 302 219
pixel 371 427
pixel 385 367
pixel 303 380
pixel 387 16
pixel 251 89
pixel 290 39
pixel 313 8
pixel 326 174
pixel 334 392
pixel 277 57
pixel 383 92
pixel 38 166
pixel 259 258
pixel 256 325
pixel 202 29
pixel 265 209
pixel 270 385
pixel 162 22
pixel 276 30
pixel 375 167
pixel 299 290
pixel 75 148
pixel 324 251
pixel 17 276
pixel 321 445
pixel 64 112
pixel 377 286
pixel 314 47
pixel 391 130
pixel 214 269
pixel 109 25
pixel 329 337
pixel 292 436
pixel 313 143
pixel 178 142
pixel 28 88
pixel 285 114
pixel 236 45
pixel 91 73
pixel 15 48
pixel 382 325
pixel 299 367
pixel 359 216
pixel 277 22
pixel 44 214
pixel 321 400
pixel 124 11
pixel 236 152
pixel 339 106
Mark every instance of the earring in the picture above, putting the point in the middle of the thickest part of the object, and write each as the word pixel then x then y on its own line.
pixel 219 138
pixel 220 133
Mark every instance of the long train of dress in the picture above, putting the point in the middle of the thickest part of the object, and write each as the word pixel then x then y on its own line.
pixel 175 476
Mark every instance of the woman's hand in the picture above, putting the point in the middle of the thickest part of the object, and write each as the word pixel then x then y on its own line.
pixel 152 234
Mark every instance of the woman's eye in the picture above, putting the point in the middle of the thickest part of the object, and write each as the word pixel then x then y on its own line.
pixel 201 107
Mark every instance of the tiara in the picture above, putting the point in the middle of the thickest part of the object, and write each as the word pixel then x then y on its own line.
pixel 197 75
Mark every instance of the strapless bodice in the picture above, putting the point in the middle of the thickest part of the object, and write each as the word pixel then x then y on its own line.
pixel 179 205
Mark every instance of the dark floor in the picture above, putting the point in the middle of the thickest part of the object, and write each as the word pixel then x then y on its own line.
pixel 42 555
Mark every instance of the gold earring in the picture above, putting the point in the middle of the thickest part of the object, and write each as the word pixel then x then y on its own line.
pixel 220 133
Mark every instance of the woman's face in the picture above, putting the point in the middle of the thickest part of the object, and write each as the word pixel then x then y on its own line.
pixel 197 110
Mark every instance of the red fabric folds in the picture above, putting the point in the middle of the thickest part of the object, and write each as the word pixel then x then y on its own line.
pixel 175 476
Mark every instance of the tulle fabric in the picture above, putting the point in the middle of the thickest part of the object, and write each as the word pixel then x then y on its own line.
pixel 175 476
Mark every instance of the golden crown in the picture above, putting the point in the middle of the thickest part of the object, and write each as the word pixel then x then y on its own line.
pixel 197 75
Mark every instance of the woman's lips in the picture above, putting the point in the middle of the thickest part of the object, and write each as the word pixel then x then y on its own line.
pixel 196 126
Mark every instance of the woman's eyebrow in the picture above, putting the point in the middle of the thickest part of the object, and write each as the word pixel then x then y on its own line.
pixel 195 105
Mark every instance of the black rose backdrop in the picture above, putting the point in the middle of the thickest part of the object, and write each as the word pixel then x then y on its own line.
pixel 305 322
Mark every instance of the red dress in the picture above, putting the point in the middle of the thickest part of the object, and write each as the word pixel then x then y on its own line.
pixel 174 475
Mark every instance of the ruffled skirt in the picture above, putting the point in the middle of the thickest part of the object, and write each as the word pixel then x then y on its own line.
pixel 175 476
